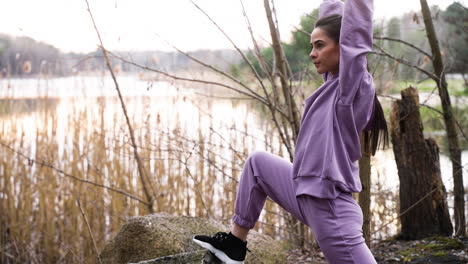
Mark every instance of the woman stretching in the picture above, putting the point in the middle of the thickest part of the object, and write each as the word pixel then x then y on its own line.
pixel 316 188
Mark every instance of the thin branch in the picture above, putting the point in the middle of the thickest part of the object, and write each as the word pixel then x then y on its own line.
pixel 144 177
pixel 215 69
pixel 402 61
pixel 413 205
pixel 284 135
pixel 259 79
pixel 407 44
pixel 257 76
pixel 301 30
pixel 84 59
pixel 89 230
pixel 181 150
pixel 258 53
pixel 196 186
pixel 43 163
pixel 285 74
pixel 260 99
pixel 281 66
pixel 435 110
pixel 222 97
pixel 175 77
pixel 211 162
pixel 288 67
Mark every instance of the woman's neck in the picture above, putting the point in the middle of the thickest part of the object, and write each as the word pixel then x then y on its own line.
pixel 333 74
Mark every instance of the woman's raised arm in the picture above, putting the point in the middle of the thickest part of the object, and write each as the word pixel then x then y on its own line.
pixel 355 42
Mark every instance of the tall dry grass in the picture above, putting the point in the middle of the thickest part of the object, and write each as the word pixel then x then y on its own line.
pixel 196 170
pixel 60 151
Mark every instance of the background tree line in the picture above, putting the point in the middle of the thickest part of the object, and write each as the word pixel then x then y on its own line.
pixel 24 56
pixel 451 27
pixel 21 56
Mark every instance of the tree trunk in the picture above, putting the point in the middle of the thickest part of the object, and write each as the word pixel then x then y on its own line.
pixel 423 204
pixel 455 153
pixel 292 111
pixel 364 195
pixel 283 73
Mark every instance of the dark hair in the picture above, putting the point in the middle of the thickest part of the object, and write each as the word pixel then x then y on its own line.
pixel 331 25
pixel 376 131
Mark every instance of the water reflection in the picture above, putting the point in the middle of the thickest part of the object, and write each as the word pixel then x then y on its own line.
pixel 86 86
pixel 17 106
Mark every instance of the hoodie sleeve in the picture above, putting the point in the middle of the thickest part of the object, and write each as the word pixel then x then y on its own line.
pixel 330 7
pixel 355 42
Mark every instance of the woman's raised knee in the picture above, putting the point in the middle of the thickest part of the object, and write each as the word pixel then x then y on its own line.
pixel 257 158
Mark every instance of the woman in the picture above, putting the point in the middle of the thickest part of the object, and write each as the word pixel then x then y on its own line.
pixel 316 188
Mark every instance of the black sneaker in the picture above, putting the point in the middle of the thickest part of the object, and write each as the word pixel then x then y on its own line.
pixel 226 247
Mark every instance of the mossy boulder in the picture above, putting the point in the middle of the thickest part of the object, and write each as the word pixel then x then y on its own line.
pixel 155 236
pixel 429 250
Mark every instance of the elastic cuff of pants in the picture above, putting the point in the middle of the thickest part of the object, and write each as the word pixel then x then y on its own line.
pixel 242 222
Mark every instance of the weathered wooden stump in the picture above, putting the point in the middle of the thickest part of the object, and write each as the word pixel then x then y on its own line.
pixel 422 193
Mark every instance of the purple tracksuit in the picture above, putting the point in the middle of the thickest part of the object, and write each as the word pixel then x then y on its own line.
pixel 316 188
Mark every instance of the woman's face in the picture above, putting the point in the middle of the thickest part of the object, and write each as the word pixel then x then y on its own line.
pixel 325 52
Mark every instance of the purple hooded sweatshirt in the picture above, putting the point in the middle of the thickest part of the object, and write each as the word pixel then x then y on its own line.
pixel 328 147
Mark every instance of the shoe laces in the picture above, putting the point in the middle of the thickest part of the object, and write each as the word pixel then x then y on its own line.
pixel 222 236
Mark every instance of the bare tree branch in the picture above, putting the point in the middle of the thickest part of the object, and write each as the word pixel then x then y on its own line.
pixel 270 73
pixel 292 118
pixel 258 53
pixel 435 110
pixel 175 77
pixel 43 163
pixel 289 72
pixel 280 58
pixel 301 30
pixel 215 70
pixel 413 205
pixel 222 97
pixel 407 44
pixel 232 42
pixel 402 61
pixel 144 177
pixel 96 251
pixel 384 38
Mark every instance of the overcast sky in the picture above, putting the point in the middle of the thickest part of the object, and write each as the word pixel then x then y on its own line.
pixel 134 25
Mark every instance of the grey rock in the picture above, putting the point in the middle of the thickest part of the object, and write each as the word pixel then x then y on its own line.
pixel 162 238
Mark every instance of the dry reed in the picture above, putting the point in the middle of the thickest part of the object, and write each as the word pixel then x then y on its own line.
pixel 195 158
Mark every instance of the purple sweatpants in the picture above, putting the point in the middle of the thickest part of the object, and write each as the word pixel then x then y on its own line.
pixel 336 223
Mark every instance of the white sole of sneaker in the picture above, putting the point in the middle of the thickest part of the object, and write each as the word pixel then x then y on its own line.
pixel 218 253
